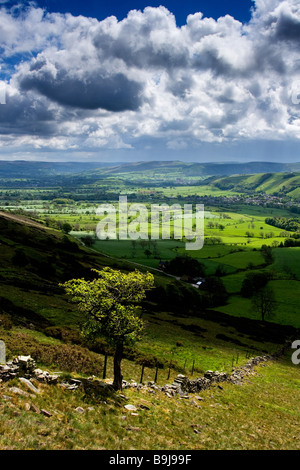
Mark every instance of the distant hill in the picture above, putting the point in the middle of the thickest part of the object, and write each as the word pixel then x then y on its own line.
pixel 269 183
pixel 200 169
pixel 26 169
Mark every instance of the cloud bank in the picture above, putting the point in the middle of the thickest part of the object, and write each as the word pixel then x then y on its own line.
pixel 79 83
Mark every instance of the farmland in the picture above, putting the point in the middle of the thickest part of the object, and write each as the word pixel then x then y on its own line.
pixel 47 236
pixel 235 228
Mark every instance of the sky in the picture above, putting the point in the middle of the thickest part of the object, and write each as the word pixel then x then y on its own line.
pixel 162 80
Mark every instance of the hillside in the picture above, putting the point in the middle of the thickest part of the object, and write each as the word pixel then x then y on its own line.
pixel 34 170
pixel 34 260
pixel 269 183
pixel 179 169
pixel 36 319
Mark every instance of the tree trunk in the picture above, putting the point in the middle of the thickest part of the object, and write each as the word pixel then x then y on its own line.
pixel 118 377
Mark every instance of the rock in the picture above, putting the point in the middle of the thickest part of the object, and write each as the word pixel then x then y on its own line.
pixel 5 397
pixel 76 382
pixel 93 387
pixel 27 406
pixel 144 404
pixel 130 407
pixel 25 363
pixel 193 402
pixel 44 376
pixel 79 410
pixel 123 396
pixel 29 385
pixel 18 391
pixel 35 409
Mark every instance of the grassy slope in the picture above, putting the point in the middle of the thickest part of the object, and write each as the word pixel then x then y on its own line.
pixel 269 183
pixel 263 413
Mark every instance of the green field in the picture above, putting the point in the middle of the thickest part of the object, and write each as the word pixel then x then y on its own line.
pixel 187 329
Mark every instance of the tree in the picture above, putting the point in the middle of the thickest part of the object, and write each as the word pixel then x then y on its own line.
pixel 184 264
pixel 88 240
pixel 263 303
pixel 252 282
pixel 215 291
pixel 110 304
pixel 266 252
pixel 66 227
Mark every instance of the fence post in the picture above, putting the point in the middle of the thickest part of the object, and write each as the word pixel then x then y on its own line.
pixel 156 373
pixel 105 366
pixel 169 369
pixel 142 374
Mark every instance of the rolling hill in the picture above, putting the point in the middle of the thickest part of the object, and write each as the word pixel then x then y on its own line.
pixel 25 169
pixel 269 183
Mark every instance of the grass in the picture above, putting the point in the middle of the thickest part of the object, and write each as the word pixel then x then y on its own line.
pixel 262 414
pixel 286 261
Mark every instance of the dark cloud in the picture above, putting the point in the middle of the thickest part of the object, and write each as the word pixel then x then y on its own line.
pixel 288 28
pixel 22 115
pixel 114 93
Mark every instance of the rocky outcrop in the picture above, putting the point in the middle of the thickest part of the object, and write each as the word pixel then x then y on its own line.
pixel 25 367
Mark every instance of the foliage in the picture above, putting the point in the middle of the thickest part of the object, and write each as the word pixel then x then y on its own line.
pixel 253 282
pixel 290 224
pixel 266 252
pixel 263 302
pixel 66 227
pixel 181 265
pixel 110 304
pixel 215 291
pixel 88 240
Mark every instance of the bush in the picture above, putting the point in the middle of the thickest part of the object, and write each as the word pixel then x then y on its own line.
pixel 181 265
pixel 68 358
pixel 6 322
pixel 65 334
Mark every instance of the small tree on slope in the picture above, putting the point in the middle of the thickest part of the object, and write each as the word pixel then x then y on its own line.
pixel 110 304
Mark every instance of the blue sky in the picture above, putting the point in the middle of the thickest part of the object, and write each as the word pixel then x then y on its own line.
pixel 134 80
pixel 239 9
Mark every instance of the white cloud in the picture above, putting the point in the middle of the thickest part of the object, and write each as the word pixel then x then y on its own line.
pixel 78 82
